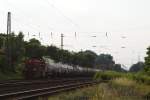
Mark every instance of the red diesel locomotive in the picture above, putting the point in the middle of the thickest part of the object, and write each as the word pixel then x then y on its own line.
pixel 34 68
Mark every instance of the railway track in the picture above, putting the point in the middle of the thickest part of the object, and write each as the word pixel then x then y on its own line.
pixel 35 88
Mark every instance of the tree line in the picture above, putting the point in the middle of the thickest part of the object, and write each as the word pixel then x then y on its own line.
pixel 20 50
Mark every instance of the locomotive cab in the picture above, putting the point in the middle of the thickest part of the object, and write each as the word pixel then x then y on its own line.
pixel 34 68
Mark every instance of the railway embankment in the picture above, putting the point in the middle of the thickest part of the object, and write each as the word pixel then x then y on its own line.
pixel 121 86
pixel 116 89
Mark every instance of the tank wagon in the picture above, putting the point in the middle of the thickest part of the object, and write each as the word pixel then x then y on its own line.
pixel 36 68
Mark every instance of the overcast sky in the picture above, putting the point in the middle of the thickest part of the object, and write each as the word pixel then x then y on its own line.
pixel 127 23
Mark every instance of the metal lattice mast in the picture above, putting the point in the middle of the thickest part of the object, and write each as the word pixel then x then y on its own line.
pixel 62 41
pixel 8 38
pixel 9 23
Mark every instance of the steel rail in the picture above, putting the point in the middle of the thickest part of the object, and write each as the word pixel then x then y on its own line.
pixel 44 88
pixel 43 91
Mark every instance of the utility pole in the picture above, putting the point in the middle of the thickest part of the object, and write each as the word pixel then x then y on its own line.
pixel 75 34
pixel 62 41
pixel 8 23
pixel 39 35
pixel 8 52
pixel 51 35
pixel 139 57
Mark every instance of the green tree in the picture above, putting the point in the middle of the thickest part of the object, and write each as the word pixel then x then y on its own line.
pixel 104 62
pixel 65 56
pixel 3 63
pixel 147 62
pixel 82 58
pixel 117 67
pixel 52 52
pixel 85 58
pixel 17 48
pixel 34 49
pixel 90 58
pixel 14 50
pixel 1 42
pixel 137 67
pixel 59 55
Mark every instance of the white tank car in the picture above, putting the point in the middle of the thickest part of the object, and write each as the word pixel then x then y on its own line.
pixel 58 69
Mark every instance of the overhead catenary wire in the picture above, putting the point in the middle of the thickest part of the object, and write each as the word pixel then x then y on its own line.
pixel 31 25
pixel 28 33
pixel 61 13
pixel 28 23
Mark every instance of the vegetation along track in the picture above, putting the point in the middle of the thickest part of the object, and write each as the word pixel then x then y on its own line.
pixel 34 88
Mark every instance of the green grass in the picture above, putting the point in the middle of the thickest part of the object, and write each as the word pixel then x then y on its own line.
pixel 129 88
pixel 9 76
pixel 121 86
pixel 116 89
pixel 110 75
pixel 79 94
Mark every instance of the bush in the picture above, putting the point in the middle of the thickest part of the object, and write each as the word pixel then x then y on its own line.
pixel 109 75
pixel 128 87
pixel 142 78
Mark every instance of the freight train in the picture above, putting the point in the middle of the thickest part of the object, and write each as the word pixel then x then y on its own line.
pixel 36 68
